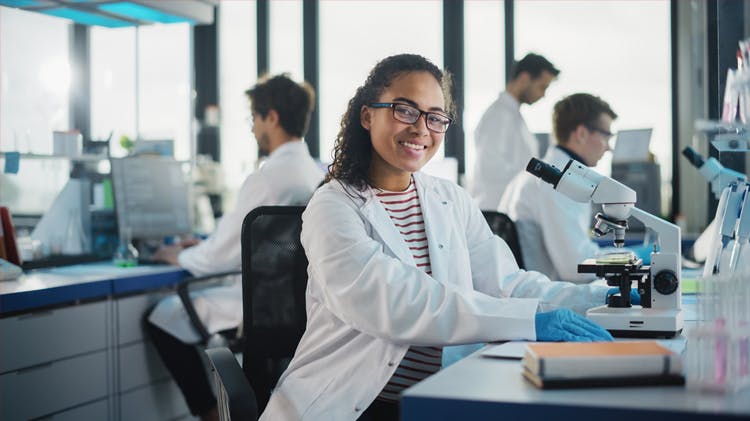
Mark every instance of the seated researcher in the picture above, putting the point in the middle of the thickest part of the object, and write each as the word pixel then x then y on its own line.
pixel 403 264
pixel 553 229
pixel 281 112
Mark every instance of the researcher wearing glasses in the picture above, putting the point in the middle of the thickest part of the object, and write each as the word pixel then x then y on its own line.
pixel 403 264
pixel 554 230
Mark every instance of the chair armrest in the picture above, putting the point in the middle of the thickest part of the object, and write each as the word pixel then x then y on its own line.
pixel 184 294
pixel 235 395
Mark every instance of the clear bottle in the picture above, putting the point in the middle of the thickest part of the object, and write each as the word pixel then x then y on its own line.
pixel 126 254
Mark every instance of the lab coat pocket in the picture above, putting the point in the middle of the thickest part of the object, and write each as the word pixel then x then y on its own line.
pixel 303 386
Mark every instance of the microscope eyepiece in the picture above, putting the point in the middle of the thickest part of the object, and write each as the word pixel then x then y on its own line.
pixel 694 157
pixel 546 172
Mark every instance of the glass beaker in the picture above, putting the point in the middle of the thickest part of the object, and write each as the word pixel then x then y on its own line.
pixel 126 255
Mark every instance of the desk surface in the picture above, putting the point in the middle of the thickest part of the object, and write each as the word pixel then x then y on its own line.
pixel 479 388
pixel 45 287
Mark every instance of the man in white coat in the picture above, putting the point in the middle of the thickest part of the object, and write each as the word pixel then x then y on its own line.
pixel 503 142
pixel 281 112
pixel 554 230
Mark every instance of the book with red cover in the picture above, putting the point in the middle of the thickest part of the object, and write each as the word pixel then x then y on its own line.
pixel 9 237
pixel 3 254
pixel 597 364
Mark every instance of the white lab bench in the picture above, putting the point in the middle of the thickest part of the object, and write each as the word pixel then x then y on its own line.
pixel 482 388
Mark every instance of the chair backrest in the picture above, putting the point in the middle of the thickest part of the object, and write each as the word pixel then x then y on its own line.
pixel 274 280
pixel 235 396
pixel 502 226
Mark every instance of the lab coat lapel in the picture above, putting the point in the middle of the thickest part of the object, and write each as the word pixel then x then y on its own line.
pixel 438 220
pixel 381 222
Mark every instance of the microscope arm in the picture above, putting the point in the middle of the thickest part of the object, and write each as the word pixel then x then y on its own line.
pixel 743 226
pixel 668 234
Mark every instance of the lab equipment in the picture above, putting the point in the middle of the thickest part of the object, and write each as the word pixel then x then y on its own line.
pixel 151 197
pixel 126 255
pixel 711 169
pixel 730 230
pixel 645 178
pixel 632 146
pixel 719 346
pixel 634 166
pixel 660 312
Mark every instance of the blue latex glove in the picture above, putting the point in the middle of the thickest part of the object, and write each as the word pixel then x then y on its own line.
pixel 643 252
pixel 635 298
pixel 563 325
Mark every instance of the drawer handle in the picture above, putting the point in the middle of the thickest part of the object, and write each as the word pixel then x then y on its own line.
pixel 36 314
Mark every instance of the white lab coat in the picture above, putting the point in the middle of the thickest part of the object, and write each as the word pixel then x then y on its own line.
pixel 553 229
pixel 504 146
pixel 288 177
pixel 367 302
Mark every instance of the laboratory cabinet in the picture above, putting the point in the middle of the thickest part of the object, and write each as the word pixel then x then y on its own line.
pixel 86 360
pixel 53 360
pixel 93 411
pixel 145 388
pixel 158 401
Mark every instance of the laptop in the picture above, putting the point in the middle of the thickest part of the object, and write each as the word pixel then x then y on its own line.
pixel 631 146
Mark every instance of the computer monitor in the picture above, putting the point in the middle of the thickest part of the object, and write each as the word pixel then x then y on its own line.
pixel 631 146
pixel 151 197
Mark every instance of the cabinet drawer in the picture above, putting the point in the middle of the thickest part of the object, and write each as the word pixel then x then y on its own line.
pixel 140 365
pixel 131 313
pixel 40 337
pixel 53 387
pixel 92 411
pixel 156 402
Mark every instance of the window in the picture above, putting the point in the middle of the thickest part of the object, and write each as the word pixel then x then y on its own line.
pixel 237 73
pixel 484 66
pixel 113 91
pixel 286 38
pixel 165 85
pixel 141 84
pixel 34 80
pixel 619 50
pixel 356 35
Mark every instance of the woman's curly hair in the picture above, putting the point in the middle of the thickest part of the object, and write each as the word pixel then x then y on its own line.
pixel 353 149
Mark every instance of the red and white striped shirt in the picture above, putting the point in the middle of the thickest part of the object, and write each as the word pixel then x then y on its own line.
pixel 420 361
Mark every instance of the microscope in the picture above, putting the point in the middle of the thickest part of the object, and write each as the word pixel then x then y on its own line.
pixel 711 169
pixel 730 229
pixel 658 284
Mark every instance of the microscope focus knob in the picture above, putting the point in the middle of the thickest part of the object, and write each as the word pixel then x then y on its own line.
pixel 665 282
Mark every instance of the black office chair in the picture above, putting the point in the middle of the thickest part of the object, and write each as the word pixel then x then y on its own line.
pixel 221 339
pixel 274 280
pixel 235 397
pixel 502 226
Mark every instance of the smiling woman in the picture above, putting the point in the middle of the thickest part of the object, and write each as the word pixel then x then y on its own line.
pixel 401 79
pixel 403 142
pixel 403 264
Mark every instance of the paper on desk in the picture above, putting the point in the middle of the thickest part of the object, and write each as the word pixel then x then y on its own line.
pixel 509 350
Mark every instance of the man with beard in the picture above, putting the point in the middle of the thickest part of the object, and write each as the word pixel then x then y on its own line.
pixel 504 144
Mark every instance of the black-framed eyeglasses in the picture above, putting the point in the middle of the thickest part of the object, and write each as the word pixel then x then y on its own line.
pixel 408 114
pixel 607 134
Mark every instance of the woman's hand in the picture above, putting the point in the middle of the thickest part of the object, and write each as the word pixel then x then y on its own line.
pixel 562 325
